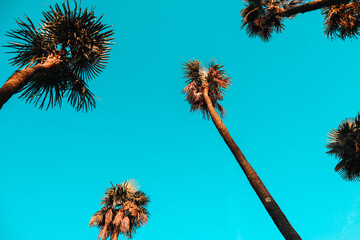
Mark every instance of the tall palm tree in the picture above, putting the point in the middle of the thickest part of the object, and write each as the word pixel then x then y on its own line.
pixel 344 144
pixel 123 211
pixel 58 58
pixel 263 17
pixel 205 87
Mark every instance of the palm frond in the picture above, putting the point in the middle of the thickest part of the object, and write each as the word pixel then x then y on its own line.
pixel 30 44
pixel 80 96
pixel 46 89
pixel 342 20
pixel 82 35
pixel 344 144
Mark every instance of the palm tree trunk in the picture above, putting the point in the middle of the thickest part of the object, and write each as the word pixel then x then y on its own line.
pixel 310 6
pixel 20 78
pixel 269 203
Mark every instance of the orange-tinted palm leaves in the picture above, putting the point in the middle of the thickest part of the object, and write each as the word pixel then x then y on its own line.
pixel 123 211
pixel 342 20
pixel 213 77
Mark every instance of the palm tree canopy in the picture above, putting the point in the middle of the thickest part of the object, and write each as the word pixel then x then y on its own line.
pixel 81 41
pixel 213 77
pixel 261 17
pixel 123 211
pixel 344 143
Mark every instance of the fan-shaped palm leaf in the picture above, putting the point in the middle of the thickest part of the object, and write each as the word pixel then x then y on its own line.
pixel 344 143
pixel 29 44
pixel 82 35
pixel 123 211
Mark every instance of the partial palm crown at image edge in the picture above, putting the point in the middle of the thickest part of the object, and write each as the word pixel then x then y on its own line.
pixel 59 58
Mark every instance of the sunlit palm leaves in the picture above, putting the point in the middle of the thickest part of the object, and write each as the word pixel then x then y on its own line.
pixel 123 211
pixel 342 20
pixel 79 38
pixel 197 77
pixel 344 143
pixel 262 17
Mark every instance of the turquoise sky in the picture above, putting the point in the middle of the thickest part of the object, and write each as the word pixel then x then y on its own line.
pixel 285 96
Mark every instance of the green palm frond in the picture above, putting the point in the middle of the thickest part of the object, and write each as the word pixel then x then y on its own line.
pixel 196 76
pixel 344 144
pixel 124 210
pixel 262 17
pixel 342 20
pixel 82 41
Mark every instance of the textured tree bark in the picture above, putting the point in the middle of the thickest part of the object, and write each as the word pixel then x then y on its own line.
pixel 20 78
pixel 269 203
pixel 310 6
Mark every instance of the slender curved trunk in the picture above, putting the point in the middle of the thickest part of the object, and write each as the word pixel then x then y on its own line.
pixel 20 78
pixel 269 203
pixel 311 6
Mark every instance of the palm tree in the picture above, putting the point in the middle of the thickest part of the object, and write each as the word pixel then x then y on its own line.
pixel 263 17
pixel 58 58
pixel 123 211
pixel 344 144
pixel 205 87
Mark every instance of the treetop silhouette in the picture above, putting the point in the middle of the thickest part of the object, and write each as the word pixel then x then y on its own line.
pixel 59 57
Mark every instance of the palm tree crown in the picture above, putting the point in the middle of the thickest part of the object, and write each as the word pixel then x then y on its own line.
pixel 198 78
pixel 262 17
pixel 123 211
pixel 80 42
pixel 344 143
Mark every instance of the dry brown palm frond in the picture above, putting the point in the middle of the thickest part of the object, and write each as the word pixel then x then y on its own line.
pixel 115 235
pixel 103 233
pixel 125 225
pixel 98 219
pixel 118 218
pixel 130 208
pixel 108 216
pixel 143 219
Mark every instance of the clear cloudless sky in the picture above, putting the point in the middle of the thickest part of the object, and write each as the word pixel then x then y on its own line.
pixel 285 97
